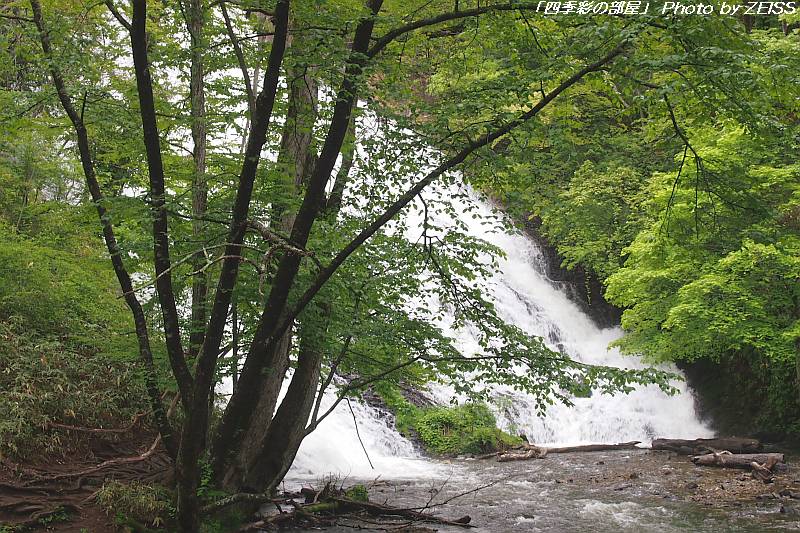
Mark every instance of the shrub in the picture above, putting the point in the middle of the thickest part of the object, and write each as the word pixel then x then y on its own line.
pixel 45 380
pixel 150 505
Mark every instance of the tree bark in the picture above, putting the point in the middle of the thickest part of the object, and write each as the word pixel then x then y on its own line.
pixel 155 169
pixel 632 445
pixel 195 426
pixel 740 460
pixel 279 445
pixel 196 24
pixel 699 446
pixel 536 452
pixel 123 277
pixel 295 159
pixel 238 413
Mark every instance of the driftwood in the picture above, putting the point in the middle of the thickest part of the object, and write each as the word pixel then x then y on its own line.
pixel 700 446
pixel 532 452
pixel 376 509
pixel 536 452
pixel 326 513
pixel 739 460
pixel 596 447
pixel 764 472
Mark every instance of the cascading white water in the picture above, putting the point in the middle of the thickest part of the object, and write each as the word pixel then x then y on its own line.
pixel 334 447
pixel 525 297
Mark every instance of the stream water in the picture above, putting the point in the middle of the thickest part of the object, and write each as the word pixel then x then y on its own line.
pixel 571 492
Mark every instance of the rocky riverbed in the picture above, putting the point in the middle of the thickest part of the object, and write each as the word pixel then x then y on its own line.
pixel 638 490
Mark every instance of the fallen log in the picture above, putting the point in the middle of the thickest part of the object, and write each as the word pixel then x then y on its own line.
pixel 532 453
pixel 739 460
pixel 536 452
pixel 764 472
pixel 595 447
pixel 700 446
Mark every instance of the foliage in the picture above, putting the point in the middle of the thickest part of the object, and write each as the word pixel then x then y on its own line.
pixel 358 493
pixel 46 380
pixel 378 287
pixel 448 430
pixel 62 355
pixel 150 505
pixel 717 273
pixel 682 200
pixel 55 292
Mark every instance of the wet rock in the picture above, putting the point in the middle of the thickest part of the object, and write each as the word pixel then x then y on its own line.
pixel 789 509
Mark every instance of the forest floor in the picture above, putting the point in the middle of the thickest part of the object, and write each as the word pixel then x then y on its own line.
pixel 59 494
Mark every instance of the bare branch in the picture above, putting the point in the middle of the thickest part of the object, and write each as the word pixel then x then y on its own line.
pixel 118 15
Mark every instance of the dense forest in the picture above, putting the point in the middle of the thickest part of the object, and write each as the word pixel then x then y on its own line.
pixel 215 214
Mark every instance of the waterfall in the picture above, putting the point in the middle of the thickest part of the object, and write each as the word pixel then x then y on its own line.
pixel 523 296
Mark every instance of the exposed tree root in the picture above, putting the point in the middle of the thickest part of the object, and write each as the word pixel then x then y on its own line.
pixel 105 464
pixel 99 431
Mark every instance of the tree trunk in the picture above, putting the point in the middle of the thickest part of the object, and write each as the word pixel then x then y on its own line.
pixel 632 445
pixel 296 160
pixel 287 430
pixel 234 471
pixel 740 460
pixel 276 318
pixel 698 446
pixel 196 23
pixel 536 452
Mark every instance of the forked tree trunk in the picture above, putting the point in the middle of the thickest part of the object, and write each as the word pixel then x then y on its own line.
pixel 296 160
pixel 250 446
pixel 280 443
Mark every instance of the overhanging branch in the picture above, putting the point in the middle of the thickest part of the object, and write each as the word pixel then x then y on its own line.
pixel 448 165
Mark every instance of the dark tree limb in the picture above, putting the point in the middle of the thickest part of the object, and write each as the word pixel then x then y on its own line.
pixel 446 166
pixel 238 225
pixel 124 279
pixel 161 259
pixel 266 337
pixel 117 15
pixel 393 34
pixel 237 50
pixel 195 427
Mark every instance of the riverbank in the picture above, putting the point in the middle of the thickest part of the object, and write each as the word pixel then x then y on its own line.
pixel 639 490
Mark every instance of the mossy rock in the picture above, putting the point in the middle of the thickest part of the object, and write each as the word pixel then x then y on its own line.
pixel 448 430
